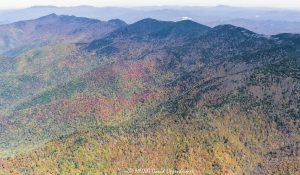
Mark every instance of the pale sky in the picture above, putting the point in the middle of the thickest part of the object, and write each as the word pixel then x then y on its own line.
pixel 263 3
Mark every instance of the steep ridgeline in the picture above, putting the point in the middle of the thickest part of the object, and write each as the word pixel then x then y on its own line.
pixel 168 96
pixel 20 36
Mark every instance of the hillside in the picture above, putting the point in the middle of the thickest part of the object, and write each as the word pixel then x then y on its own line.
pixel 173 96
pixel 24 35
pixel 44 53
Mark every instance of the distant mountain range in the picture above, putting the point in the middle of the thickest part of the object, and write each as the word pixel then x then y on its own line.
pixel 109 97
pixel 261 20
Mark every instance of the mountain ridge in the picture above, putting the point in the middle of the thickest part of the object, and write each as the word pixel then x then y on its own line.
pixel 210 100
pixel 273 22
pixel 53 28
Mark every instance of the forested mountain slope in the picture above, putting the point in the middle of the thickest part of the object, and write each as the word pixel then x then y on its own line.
pixel 162 95
pixel 24 35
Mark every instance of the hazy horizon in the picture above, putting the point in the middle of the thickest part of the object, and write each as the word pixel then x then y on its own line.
pixel 15 4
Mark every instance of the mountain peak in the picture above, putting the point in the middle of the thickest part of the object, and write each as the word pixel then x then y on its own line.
pixel 66 18
pixel 152 28
pixel 118 22
pixel 189 28
pixel 52 15
pixel 147 26
pixel 148 21
pixel 227 26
